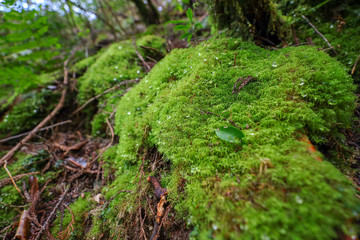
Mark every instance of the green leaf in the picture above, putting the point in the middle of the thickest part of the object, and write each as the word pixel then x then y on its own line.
pixel 189 37
pixel 181 27
pixel 177 22
pixel 190 14
pixel 230 134
pixel 185 35
pixel 198 25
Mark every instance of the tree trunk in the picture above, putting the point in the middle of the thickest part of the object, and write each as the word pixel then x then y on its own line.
pixel 148 12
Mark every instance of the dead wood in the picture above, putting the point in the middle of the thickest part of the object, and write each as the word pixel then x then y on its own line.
pixel 22 231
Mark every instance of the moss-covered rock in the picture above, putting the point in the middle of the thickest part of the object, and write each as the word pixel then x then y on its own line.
pixel 269 188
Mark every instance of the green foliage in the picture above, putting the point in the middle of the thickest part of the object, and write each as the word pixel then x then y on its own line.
pixel 80 209
pixel 25 50
pixel 8 194
pixel 189 27
pixel 271 189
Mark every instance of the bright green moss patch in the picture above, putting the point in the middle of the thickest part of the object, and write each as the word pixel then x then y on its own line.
pixel 112 65
pixel 271 187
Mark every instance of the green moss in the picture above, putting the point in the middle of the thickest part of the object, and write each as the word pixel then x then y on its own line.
pixel 294 91
pixel 154 42
pixel 86 62
pixel 80 209
pixel 26 114
pixel 8 194
pixel 339 22
pixel 112 65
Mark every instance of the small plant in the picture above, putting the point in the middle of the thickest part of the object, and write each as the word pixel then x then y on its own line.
pixel 189 27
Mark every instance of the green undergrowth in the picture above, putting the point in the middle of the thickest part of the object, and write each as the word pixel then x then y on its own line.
pixel 80 214
pixel 338 22
pixel 29 110
pixel 112 65
pixel 269 188
pixel 9 195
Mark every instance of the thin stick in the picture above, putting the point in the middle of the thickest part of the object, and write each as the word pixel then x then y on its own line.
pixel 105 92
pixel 7 181
pixel 142 60
pixel 153 49
pixel 51 214
pixel 353 70
pixel 41 129
pixel 59 106
pixel 318 32
pixel 12 180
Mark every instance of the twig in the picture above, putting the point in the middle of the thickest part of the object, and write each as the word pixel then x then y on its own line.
pixel 103 93
pixel 153 49
pixel 14 206
pixel 139 55
pixel 142 60
pixel 51 214
pixel 41 129
pixel 353 69
pixel 142 223
pixel 12 180
pixel 7 181
pixel 210 113
pixel 318 32
pixel 59 106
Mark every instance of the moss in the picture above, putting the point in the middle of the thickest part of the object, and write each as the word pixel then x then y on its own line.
pixel 228 194
pixel 26 114
pixel 154 42
pixel 338 22
pixel 86 62
pixel 80 209
pixel 112 65
pixel 8 194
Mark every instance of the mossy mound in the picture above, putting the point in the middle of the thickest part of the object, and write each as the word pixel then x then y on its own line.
pixel 109 67
pixel 269 188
